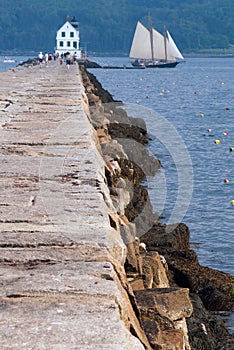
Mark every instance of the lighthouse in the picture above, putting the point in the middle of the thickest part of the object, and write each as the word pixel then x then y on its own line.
pixel 68 38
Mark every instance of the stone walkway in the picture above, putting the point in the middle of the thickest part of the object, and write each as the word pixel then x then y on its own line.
pixel 59 255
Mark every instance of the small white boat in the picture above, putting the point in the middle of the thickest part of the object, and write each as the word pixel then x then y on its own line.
pixel 8 60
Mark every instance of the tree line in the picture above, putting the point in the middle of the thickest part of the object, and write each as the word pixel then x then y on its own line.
pixel 107 26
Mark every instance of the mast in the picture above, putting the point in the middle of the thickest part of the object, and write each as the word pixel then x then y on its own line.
pixel 165 42
pixel 151 38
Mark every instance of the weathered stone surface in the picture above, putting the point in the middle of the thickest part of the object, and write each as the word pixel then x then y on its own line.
pixel 167 237
pixel 172 303
pixel 60 322
pixel 182 326
pixel 113 149
pixel 62 280
pixel 172 340
pixel 154 271
pixel 163 313
pixel 95 87
pixel 136 283
pixel 50 278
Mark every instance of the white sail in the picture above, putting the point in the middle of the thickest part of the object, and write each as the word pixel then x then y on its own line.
pixel 141 47
pixel 159 47
pixel 172 48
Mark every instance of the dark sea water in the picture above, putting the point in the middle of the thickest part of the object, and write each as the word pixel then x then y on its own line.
pixel 179 106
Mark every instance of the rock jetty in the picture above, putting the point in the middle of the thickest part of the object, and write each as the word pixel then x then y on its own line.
pixel 74 272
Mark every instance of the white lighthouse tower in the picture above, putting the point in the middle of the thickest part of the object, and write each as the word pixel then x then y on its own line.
pixel 68 38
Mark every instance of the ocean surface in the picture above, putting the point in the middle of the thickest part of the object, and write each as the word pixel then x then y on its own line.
pixel 189 114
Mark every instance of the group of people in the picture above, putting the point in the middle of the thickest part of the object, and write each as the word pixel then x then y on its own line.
pixel 44 58
pixel 68 58
pixel 64 57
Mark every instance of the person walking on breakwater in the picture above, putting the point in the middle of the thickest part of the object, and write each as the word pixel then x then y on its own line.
pixel 40 59
pixel 46 59
pixel 68 60
pixel 75 56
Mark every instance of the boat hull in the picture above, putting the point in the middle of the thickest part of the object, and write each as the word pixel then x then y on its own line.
pixel 163 65
pixel 123 67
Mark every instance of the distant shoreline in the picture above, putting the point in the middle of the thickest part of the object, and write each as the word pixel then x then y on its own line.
pixel 208 55
pixel 113 54
pixel 186 55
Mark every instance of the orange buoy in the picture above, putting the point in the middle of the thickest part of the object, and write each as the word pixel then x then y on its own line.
pixel 217 142
pixel 226 181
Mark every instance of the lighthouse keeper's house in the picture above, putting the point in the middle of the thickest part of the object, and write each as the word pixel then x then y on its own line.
pixel 68 38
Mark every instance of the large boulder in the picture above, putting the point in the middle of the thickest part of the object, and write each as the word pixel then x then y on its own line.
pixel 161 309
pixel 167 237
pixel 154 271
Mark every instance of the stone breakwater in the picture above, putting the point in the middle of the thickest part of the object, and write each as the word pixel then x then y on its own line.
pixel 74 271
pixel 62 281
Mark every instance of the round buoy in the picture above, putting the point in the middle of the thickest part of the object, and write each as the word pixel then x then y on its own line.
pixel 217 142
pixel 232 202
pixel 202 115
pixel 147 96
pixel 225 133
pixel 231 149
pixel 208 130
pixel 226 181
